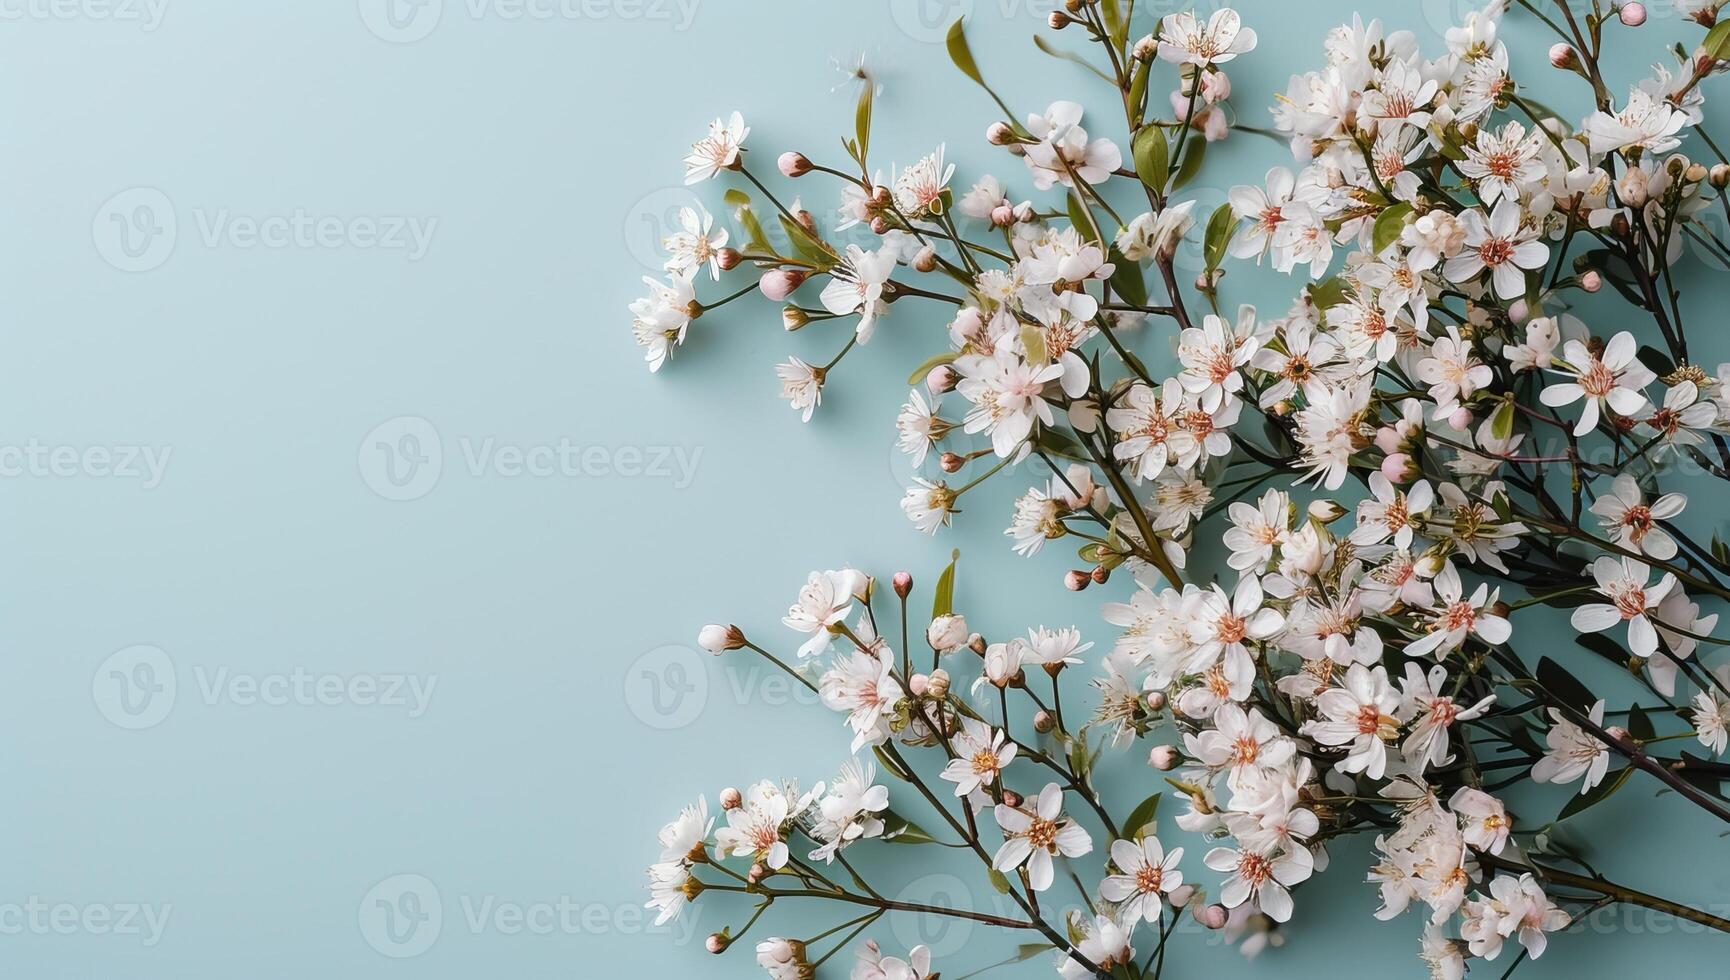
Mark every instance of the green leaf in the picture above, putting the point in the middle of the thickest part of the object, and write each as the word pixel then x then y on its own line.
pixel 1502 420
pixel 1657 361
pixel 1220 229
pixel 1596 794
pixel 1079 761
pixel 961 54
pixel 999 881
pixel 889 764
pixel 1717 43
pixel 943 603
pixel 931 364
pixel 1152 158
pixel 1126 279
pixel 1070 56
pixel 1194 152
pixel 1388 226
pixel 1144 818
pixel 740 202
pixel 862 119
pixel 1556 679
pixel 1138 91
pixel 1327 293
pixel 809 248
pixel 1639 725
pixel 1116 25
pixel 1056 442
pixel 899 830
pixel 1082 218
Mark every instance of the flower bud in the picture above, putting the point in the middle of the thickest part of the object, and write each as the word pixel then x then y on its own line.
pixel 716 638
pixel 807 220
pixel 939 683
pixel 1165 758
pixel 1719 176
pixel 1633 14
pixel 1180 896
pixel 728 259
pixel 1500 608
pixel 1000 133
pixel 1563 56
pixel 1059 20
pixel 1695 173
pixel 1012 798
pixel 1043 722
pixel 976 643
pixel 1326 511
pixel 1075 580
pixel 1002 216
pixel 716 943
pixel 794 318
pixel 1591 282
pixel 1212 916
pixel 902 582
pixel 947 633
pixel 1398 468
pixel 778 284
pixel 793 164
pixel 881 196
pixel 941 379
pixel 1215 86
pixel 1631 189
pixel 925 260
pixel 1460 418
pixel 918 684
pixel 1388 439
pixel 951 462
pixel 1101 574
pixel 1146 48
pixel 1617 732
pixel 758 872
pixel 879 225
pixel 1024 213
pixel 731 799
pixel 1156 700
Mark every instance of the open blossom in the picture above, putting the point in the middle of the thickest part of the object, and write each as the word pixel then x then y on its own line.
pixel 1359 715
pixel 717 151
pixel 1647 122
pixel 1184 39
pixel 1484 821
pixel 1712 717
pixel 658 321
pixel 1261 878
pixel 981 755
pixel 801 386
pixel 1456 616
pixel 920 188
pixel 1573 752
pixel 1515 907
pixel 1104 941
pixel 1063 149
pixel 1148 423
pixel 856 286
pixel 1034 837
pixel 1213 356
pixel 825 601
pixel 1627 584
pixel 755 829
pixel 1428 706
pixel 873 965
pixel 1503 245
pixel 1390 512
pixel 1504 163
pixel 1008 396
pixel 918 427
pixel 1616 381
pixel 1241 742
pixel 1146 874
pixel 1453 373
pixel 1149 235
pixel 1632 523
pixel 697 243
pixel 863 685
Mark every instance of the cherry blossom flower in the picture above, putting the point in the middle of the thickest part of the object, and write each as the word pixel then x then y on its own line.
pixel 981 755
pixel 1035 837
pixel 1627 584
pixel 717 151
pixel 1503 245
pixel 1262 879
pixel 1146 874
pixel 1359 715
pixel 1573 752
pixel 1616 381
pixel 1185 40
pixel 1629 521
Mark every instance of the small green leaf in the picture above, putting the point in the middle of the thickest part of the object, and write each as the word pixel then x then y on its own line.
pixel 1327 293
pixel 1082 218
pixel 1152 158
pixel 1502 420
pixel 1194 152
pixel 1596 794
pixel 1126 279
pixel 1145 817
pixel 999 881
pixel 943 603
pixel 1220 229
pixel 862 119
pixel 899 830
pixel 1717 43
pixel 1069 56
pixel 1389 224
pixel 1639 725
pixel 931 364
pixel 1034 342
pixel 961 54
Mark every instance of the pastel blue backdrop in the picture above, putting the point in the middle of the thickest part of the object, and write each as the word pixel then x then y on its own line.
pixel 354 561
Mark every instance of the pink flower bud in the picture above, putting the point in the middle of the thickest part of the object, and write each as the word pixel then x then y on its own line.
pixel 1633 14
pixel 1002 216
pixel 999 134
pixel 1165 758
pixel 1591 282
pixel 1460 418
pixel 1388 439
pixel 1215 86
pixel 731 799
pixel 778 284
pixel 1181 895
pixel 941 379
pixel 926 260
pixel 951 462
pixel 1156 700
pixel 793 164
pixel 1563 56
pixel 903 583
pixel 1075 580
pixel 919 684
pixel 1398 468
pixel 1212 916
pixel 716 943
pixel 1043 722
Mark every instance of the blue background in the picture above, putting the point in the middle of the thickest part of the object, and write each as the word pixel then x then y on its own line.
pixel 542 608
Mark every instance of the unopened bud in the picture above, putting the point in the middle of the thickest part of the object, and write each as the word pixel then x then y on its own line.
pixel 1460 418
pixel 1075 580
pixel 793 164
pixel 1617 732
pixel 902 582
pixel 1156 700
pixel 1059 20
pixel 1043 722
pixel 778 284
pixel 1012 798
pixel 1591 282
pixel 1165 758
pixel 918 684
pixel 1325 511
pixel 1398 468
pixel 807 220
pixel 879 225
pixel 728 259
pixel 951 462
pixel 925 260
pixel 941 379
pixel 1180 896
pixel 717 639
pixel 1719 176
pixel 716 943
pixel 1101 574
pixel 731 799
pixel 1146 48
pixel 1212 916
pixel 1000 133
pixel 880 196
pixel 1563 56
pixel 1024 213
pixel 758 872
pixel 1633 14
pixel 793 318
pixel 1695 173
pixel 976 643
pixel 939 683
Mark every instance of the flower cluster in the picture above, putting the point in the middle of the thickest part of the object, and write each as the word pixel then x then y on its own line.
pixel 1452 423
